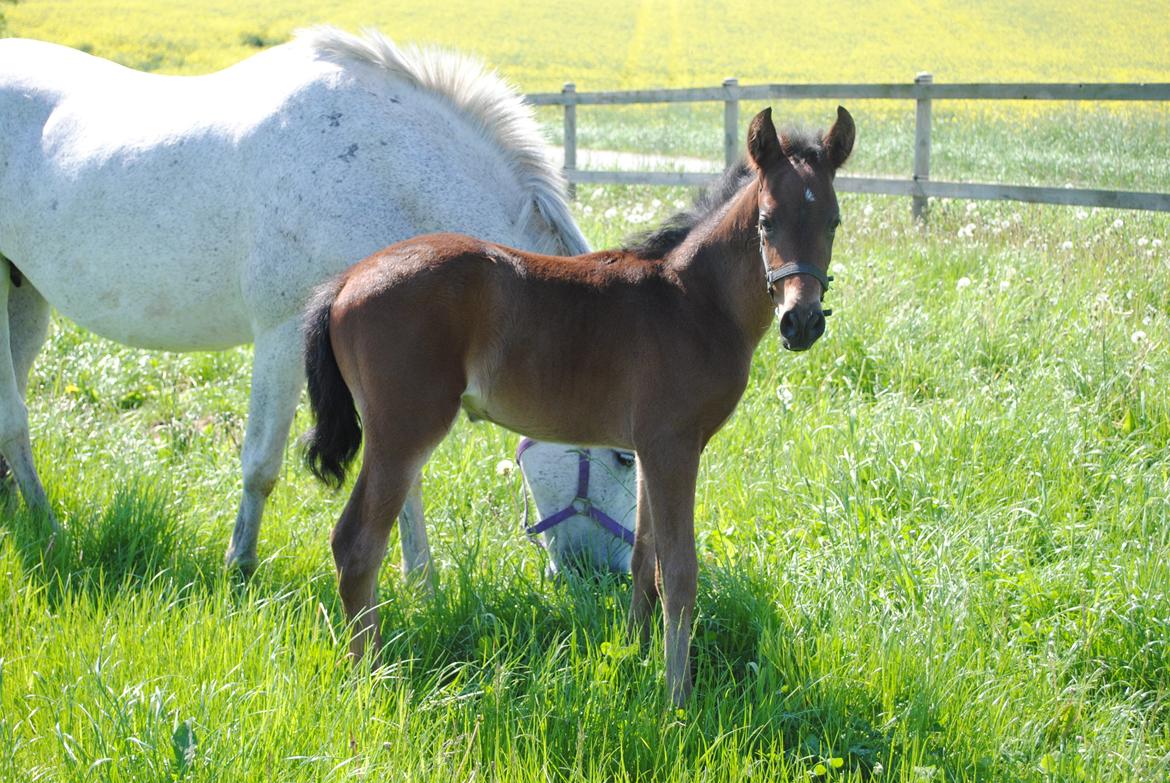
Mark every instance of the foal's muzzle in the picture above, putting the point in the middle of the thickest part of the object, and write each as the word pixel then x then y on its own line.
pixel 801 326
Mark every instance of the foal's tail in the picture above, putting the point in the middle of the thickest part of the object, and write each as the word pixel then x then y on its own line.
pixel 333 443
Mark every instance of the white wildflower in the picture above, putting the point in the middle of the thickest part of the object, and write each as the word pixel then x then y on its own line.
pixel 1143 241
pixel 963 282
pixel 610 213
pixel 1082 214
pixel 786 396
pixel 1137 337
pixel 638 214
pixel 1119 223
pixel 1066 245
pixel 505 467
pixel 868 210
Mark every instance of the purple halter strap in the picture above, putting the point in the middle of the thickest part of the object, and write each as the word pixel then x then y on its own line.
pixel 581 504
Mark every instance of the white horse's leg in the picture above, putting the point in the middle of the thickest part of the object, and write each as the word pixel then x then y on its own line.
pixel 28 324
pixel 412 530
pixel 277 376
pixel 14 436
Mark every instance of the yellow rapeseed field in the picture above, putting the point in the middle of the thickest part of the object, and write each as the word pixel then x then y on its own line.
pixel 609 44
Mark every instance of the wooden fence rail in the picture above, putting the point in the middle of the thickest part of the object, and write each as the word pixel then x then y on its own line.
pixel 923 92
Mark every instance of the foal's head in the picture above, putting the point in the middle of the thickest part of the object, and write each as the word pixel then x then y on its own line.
pixel 797 221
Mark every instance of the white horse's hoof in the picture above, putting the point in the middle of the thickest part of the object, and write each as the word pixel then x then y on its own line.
pixel 240 563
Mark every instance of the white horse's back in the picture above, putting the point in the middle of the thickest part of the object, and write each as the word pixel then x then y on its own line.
pixel 127 198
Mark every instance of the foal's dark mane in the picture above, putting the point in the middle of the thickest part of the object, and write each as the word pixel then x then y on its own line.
pixel 656 243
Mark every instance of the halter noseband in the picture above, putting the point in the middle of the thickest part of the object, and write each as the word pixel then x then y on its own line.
pixel 791 269
pixel 580 505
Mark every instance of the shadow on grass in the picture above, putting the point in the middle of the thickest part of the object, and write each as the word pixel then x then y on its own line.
pixel 125 544
pixel 552 667
pixel 525 659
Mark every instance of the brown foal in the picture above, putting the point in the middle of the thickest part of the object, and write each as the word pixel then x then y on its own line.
pixel 646 348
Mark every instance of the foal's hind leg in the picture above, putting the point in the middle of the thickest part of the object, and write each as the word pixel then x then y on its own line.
pixel 14 434
pixel 394 455
pixel 359 545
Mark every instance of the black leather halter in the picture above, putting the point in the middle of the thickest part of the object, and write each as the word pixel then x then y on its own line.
pixel 791 269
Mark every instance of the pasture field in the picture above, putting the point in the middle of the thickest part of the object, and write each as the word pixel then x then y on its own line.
pixel 667 43
pixel 936 547
pixel 609 44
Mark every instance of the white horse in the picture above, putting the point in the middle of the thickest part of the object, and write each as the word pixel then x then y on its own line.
pixel 198 213
pixel 585 502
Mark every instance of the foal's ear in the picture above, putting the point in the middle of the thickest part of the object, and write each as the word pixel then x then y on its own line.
pixel 762 143
pixel 839 140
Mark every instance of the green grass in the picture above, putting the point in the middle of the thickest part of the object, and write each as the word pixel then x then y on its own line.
pixel 935 547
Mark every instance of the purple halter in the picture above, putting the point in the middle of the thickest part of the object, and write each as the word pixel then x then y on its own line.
pixel 581 504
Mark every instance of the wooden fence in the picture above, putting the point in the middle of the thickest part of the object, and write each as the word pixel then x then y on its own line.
pixel 923 92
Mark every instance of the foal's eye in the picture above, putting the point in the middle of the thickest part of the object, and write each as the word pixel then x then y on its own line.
pixel 766 224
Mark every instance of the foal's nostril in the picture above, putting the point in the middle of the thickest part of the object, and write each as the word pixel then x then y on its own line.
pixel 789 327
pixel 815 325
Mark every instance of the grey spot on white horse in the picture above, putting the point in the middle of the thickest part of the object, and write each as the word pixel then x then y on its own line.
pixel 225 198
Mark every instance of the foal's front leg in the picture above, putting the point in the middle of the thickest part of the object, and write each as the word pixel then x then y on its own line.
pixel 669 473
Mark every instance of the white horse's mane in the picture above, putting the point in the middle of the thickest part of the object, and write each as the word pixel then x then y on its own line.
pixel 489 103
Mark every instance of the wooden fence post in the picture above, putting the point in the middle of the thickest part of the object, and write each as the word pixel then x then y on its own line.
pixel 569 91
pixel 731 122
pixel 921 149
